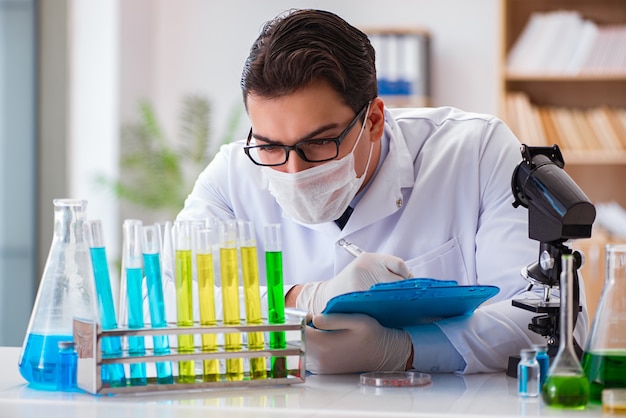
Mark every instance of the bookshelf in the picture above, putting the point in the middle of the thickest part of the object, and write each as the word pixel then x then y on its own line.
pixel 535 94
pixel 599 170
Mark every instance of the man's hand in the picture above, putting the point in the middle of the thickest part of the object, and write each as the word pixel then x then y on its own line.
pixel 366 270
pixel 349 343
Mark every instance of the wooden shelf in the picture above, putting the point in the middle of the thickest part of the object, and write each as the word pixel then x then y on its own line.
pixel 599 173
pixel 551 78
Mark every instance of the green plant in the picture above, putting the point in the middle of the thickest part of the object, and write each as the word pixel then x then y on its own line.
pixel 157 173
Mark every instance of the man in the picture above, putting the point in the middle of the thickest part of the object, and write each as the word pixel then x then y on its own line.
pixel 425 192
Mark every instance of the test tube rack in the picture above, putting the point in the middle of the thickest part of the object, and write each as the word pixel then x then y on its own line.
pixel 88 335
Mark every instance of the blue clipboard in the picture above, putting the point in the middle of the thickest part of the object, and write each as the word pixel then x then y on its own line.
pixel 412 301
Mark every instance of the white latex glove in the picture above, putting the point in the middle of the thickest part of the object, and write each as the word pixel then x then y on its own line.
pixel 367 269
pixel 350 343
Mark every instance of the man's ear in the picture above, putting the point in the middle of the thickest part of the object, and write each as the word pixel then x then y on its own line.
pixel 376 118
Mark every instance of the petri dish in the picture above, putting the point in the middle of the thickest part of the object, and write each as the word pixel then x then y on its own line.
pixel 614 401
pixel 395 379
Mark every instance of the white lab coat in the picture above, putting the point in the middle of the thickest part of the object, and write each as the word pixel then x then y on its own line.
pixel 441 200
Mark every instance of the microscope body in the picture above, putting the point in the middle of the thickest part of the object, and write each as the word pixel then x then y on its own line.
pixel 558 210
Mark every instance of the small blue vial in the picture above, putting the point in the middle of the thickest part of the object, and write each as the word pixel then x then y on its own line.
pixel 544 362
pixel 528 374
pixel 67 364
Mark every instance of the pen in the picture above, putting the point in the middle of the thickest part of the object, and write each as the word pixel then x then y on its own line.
pixel 350 247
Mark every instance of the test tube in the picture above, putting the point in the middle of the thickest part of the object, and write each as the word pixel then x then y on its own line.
pixel 132 275
pixel 275 298
pixel 229 271
pixel 184 297
pixel 252 295
pixel 112 374
pixel 152 265
pixel 206 295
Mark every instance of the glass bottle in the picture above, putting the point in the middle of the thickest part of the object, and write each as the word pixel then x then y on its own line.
pixel 604 358
pixel 67 363
pixel 65 292
pixel 528 374
pixel 544 362
pixel 566 386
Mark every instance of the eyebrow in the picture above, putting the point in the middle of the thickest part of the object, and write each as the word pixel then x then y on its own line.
pixel 307 137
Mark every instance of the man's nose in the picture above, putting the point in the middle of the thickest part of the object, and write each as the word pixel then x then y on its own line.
pixel 295 163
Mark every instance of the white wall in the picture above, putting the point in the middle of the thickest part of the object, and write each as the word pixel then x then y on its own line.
pixel 94 101
pixel 189 46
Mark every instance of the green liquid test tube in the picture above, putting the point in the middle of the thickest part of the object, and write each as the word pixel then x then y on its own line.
pixel 132 276
pixel 230 296
pixel 184 298
pixel 275 297
pixel 206 296
pixel 252 296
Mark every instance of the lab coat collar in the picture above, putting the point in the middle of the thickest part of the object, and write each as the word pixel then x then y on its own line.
pixel 384 196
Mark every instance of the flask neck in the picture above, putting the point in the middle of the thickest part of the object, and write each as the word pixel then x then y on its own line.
pixel 69 219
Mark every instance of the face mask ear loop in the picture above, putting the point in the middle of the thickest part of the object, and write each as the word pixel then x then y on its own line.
pixel 369 157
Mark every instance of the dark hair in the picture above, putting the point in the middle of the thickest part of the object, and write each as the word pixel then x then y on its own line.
pixel 306 46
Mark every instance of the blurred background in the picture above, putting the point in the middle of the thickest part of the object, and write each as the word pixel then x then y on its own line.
pixel 122 103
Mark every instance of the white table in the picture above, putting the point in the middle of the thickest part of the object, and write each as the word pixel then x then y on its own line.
pixel 483 395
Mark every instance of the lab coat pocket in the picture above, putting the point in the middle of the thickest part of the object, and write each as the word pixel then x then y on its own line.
pixel 442 263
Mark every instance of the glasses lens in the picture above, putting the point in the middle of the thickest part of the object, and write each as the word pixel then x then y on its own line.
pixel 319 150
pixel 268 154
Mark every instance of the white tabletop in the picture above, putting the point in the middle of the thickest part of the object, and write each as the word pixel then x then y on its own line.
pixel 481 395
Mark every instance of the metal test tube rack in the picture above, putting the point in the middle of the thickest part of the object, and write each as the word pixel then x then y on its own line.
pixel 88 336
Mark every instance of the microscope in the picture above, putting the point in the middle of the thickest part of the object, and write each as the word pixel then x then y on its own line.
pixel 558 211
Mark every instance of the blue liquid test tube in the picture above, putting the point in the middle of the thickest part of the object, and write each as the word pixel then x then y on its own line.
pixel 132 275
pixel 112 374
pixel 152 266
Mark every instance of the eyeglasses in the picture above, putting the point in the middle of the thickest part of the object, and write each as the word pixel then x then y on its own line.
pixel 313 150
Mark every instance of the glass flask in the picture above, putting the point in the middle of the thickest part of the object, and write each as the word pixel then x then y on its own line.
pixel 65 292
pixel 604 358
pixel 566 386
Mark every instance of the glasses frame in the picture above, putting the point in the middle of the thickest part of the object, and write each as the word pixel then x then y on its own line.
pixel 338 140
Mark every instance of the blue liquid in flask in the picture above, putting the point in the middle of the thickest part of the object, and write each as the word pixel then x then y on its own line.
pixel 38 364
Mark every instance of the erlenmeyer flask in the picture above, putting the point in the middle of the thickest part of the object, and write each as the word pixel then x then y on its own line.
pixel 604 360
pixel 566 386
pixel 65 292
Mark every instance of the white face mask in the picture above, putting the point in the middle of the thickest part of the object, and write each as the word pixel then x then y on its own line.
pixel 318 194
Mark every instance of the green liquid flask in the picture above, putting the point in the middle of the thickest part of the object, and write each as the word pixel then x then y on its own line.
pixel 604 359
pixel 66 291
pixel 566 386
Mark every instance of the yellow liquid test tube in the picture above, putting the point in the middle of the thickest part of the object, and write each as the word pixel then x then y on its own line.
pixel 252 296
pixel 230 296
pixel 184 297
pixel 206 296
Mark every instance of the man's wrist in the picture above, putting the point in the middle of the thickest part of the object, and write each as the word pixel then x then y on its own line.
pixel 409 362
pixel 292 296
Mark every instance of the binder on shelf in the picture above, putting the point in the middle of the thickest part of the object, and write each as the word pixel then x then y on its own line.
pixel 402 66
